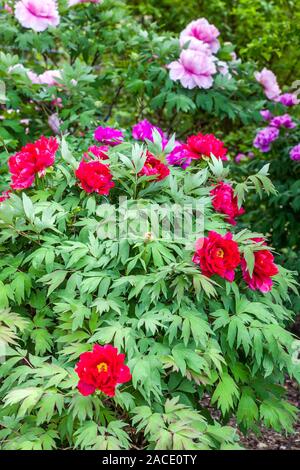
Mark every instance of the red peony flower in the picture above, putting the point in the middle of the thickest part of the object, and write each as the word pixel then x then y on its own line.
pixel 99 152
pixel 153 166
pixel 264 269
pixel 95 177
pixel 217 254
pixel 102 369
pixel 204 144
pixel 31 160
pixel 225 202
pixel 5 195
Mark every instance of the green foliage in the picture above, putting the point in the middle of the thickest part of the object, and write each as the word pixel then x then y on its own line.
pixel 72 283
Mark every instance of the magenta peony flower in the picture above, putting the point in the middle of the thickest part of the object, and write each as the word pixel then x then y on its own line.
pixel 264 270
pixel 144 130
pixel 268 80
pixel 199 34
pixel 288 99
pixel 283 121
pixel 265 137
pixel 295 152
pixel 266 114
pixel 108 135
pixel 180 156
pixel 193 69
pixel 37 14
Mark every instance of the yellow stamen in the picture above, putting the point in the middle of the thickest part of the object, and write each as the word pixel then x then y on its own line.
pixel 102 367
pixel 220 253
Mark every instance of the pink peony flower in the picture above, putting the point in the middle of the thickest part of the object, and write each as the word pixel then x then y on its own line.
pixel 108 135
pixel 199 34
pixel 225 202
pixel 193 69
pixel 269 82
pixel 295 153
pixel 264 270
pixel 37 14
pixel 46 78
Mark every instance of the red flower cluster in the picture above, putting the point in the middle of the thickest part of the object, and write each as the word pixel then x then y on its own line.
pixel 264 269
pixel 217 254
pixel 102 369
pixel 225 202
pixel 5 195
pixel 204 145
pixel 31 160
pixel 153 166
pixel 95 177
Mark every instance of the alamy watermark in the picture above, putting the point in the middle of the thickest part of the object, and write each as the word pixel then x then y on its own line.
pixel 136 220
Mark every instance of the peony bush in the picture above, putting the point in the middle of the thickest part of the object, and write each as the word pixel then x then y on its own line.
pixel 115 330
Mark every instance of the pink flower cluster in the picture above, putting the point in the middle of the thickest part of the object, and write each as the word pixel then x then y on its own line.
pixel 37 14
pixel 196 64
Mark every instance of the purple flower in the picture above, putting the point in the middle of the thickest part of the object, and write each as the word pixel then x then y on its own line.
pixel 108 135
pixel 295 152
pixel 240 157
pixel 283 121
pixel 180 156
pixel 144 130
pixel 266 114
pixel 265 137
pixel 288 99
pixel 193 69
